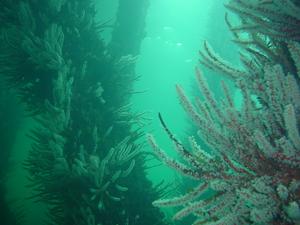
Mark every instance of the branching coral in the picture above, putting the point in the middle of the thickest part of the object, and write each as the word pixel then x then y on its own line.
pixel 46 52
pixel 275 18
pixel 254 164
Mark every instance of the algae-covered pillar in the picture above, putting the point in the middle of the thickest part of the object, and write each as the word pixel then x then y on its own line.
pixel 129 28
pixel 127 36
pixel 84 162
pixel 9 120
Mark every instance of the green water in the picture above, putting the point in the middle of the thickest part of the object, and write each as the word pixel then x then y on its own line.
pixel 175 31
pixel 82 84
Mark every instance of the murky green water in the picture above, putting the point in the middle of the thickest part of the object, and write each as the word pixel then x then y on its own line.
pixel 82 84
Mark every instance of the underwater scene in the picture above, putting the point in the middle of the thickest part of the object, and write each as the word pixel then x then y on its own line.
pixel 149 112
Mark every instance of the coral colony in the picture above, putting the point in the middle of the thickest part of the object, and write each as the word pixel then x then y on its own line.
pixel 253 167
